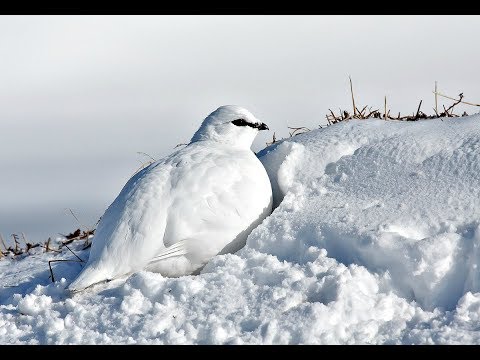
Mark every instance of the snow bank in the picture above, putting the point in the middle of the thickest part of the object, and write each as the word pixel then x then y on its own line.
pixel 374 239
pixel 401 199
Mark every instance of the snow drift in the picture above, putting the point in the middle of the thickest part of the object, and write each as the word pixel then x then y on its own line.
pixel 375 239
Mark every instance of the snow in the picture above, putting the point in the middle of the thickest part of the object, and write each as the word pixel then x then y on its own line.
pixel 374 240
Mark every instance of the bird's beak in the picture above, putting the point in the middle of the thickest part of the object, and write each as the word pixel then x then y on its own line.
pixel 263 127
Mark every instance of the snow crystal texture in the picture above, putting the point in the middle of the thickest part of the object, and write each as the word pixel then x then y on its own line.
pixel 374 240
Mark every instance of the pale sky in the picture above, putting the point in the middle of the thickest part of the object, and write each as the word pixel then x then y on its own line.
pixel 81 95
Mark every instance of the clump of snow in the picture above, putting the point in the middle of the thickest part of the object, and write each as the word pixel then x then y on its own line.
pixel 375 239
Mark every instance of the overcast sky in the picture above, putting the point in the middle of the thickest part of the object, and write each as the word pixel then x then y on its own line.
pixel 81 95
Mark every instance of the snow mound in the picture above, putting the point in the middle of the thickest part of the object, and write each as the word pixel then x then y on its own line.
pixel 374 239
pixel 400 199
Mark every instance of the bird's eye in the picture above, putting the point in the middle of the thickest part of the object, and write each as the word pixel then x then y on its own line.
pixel 240 122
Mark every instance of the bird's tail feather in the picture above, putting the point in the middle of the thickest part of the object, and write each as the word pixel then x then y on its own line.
pixel 177 249
pixel 88 277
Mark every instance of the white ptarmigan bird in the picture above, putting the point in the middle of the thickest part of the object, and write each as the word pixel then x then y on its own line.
pixel 176 214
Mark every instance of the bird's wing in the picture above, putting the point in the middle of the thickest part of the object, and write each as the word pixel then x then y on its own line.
pixel 123 239
pixel 217 194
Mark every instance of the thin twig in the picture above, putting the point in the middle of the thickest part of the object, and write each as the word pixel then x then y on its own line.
pixel 74 253
pixel 59 260
pixel 456 103
pixel 460 101
pixel 446 111
pixel 436 99
pixel 418 110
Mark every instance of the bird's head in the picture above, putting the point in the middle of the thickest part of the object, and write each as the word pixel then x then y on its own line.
pixel 230 124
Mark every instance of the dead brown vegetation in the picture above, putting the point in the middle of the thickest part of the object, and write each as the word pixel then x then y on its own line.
pixel 368 112
pixel 333 118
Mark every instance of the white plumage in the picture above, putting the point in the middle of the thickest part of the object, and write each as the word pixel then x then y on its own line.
pixel 176 214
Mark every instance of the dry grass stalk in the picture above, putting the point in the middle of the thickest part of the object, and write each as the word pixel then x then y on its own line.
pixel 46 245
pixel 24 238
pixel 332 118
pixel 385 108
pixel 78 221
pixel 144 165
pixel 298 130
pixel 3 242
pixel 144 153
pixel 274 140
pixel 16 251
pixel 76 235
pixel 353 97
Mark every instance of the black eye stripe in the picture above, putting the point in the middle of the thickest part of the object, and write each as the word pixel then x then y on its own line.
pixel 243 122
